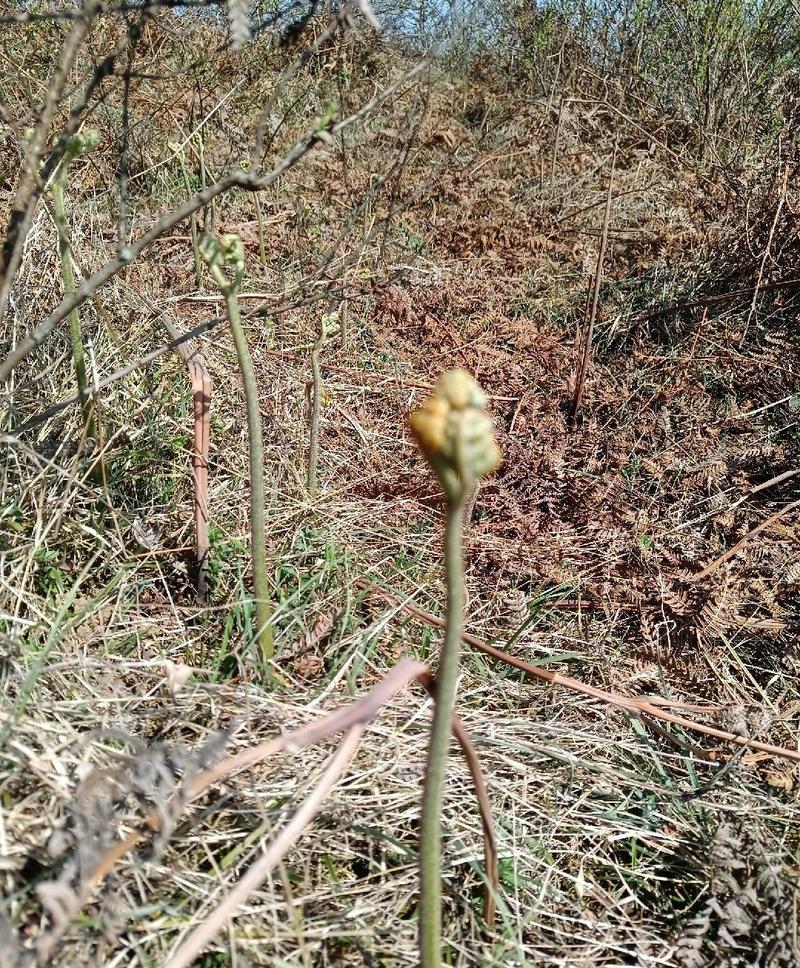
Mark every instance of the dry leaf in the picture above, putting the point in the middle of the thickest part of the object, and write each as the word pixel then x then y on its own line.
pixel 177 675
pixel 308 666
pixel 782 779
pixel 321 629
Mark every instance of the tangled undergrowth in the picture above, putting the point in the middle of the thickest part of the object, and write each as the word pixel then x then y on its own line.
pixel 650 548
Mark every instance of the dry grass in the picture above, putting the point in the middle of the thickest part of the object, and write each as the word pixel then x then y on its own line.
pixel 619 843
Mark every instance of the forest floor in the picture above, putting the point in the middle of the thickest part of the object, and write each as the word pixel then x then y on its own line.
pixel 597 551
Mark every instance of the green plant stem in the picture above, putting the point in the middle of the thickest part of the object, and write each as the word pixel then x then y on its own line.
pixel 198 262
pixel 430 914
pixel 198 266
pixel 316 407
pixel 68 280
pixel 258 537
pixel 262 244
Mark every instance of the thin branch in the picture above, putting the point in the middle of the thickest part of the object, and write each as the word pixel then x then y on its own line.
pixel 104 69
pixel 275 307
pixel 234 179
pixel 778 479
pixel 29 187
pixel 580 377
pixel 126 6
pixel 260 141
pixel 127 255
pixel 115 377
pixel 282 303
pixel 766 253
pixel 787 285
pixel 735 549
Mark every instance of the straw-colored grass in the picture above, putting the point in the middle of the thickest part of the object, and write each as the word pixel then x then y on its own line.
pixel 620 842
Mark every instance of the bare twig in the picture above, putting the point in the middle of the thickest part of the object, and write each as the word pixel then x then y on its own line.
pixel 778 479
pixel 236 178
pixel 127 255
pixel 264 123
pixel 787 285
pixel 556 141
pixel 765 485
pixel 766 253
pixel 121 6
pixel 284 303
pixel 29 187
pixel 105 68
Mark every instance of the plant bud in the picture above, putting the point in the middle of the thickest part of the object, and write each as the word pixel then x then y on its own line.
pixel 455 434
pixel 82 144
pixel 221 251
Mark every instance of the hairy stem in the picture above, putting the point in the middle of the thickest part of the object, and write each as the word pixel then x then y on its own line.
pixel 316 407
pixel 258 538
pixel 198 262
pixel 262 242
pixel 68 279
pixel 430 914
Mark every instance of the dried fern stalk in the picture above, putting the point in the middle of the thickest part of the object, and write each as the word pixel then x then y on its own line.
pixel 328 326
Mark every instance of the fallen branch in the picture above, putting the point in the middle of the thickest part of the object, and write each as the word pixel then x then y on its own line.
pixel 735 549
pixel 757 489
pixel 636 707
pixel 778 479
pixel 787 285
